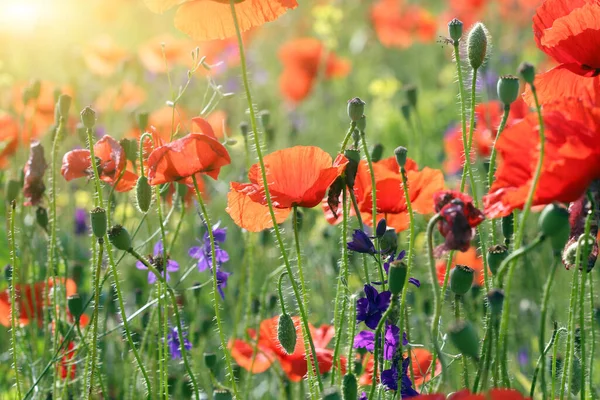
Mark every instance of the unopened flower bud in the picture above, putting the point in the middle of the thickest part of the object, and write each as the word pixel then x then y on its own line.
pixel 400 154
pixel 411 95
pixel 464 337
pixel 508 227
pixel 88 117
pixel 353 157
pixel 75 304
pixel 397 277
pixel 64 104
pixel 455 29
pixel 361 124
pixel 286 333
pixel 265 118
pixel 405 109
pixel 99 222
pixel 131 149
pixel 8 272
pixel 222 394
pixel 377 152
pixel 381 228
pixel 495 299
pixel 41 217
pixel 461 279
pixel 527 72
pixel 119 237
pixel 477 44
pixel 142 121
pixel 13 187
pixel 349 387
pixel 35 89
pixel 496 254
pixel 210 360
pixel 244 128
pixel 554 223
pixel 356 109
pixel 508 89
pixel 143 194
pixel 389 242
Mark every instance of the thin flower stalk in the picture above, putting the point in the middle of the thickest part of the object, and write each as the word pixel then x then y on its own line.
pixel 13 298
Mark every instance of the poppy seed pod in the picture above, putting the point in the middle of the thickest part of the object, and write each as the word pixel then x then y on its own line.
pixel 119 237
pixel 527 72
pixel 496 254
pixel 464 337
pixel 554 223
pixel 99 222
pixel 349 387
pixel 11 190
pixel 400 154
pixel 461 279
pixel 63 105
pixel 508 89
pixel 356 109
pixel 495 299
pixel 361 124
pixel 286 333
pixel 222 394
pixel 455 29
pixel 397 277
pixel 75 304
pixel 88 117
pixel 477 45
pixel 41 217
pixel 142 121
pixel 411 95
pixel 143 194
pixel 377 152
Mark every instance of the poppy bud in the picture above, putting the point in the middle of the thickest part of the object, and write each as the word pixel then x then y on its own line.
pixel 569 255
pixel 35 89
pixel 13 187
pixel 349 387
pixel 495 299
pixel 142 121
pixel 99 222
pixel 508 227
pixel 508 89
pixel 464 337
pixel 353 157
pixel 8 273
pixel 88 117
pixel 75 304
pixel 554 223
pixel 411 95
pixel 26 97
pixel 143 194
pixel 576 376
pixel 400 154
pixel 119 237
pixel 477 44
pixel 455 29
pixel 361 124
pixel 461 279
pixel 397 277
pixel 527 72
pixel 210 360
pixel 181 189
pixel 377 152
pixel 131 149
pixel 389 242
pixel 381 228
pixel 64 104
pixel 286 333
pixel 41 217
pixel 222 394
pixel 331 394
pixel 356 109
pixel 405 109
pixel 496 254
pixel 244 128
pixel 265 118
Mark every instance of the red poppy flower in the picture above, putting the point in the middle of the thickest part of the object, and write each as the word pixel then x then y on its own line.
pixel 67 366
pixel 34 187
pixel 195 153
pixel 569 32
pixel 493 394
pixel 212 19
pixel 571 162
pixel 459 217
pixel 298 176
pixel 468 258
pixel 294 365
pixel 103 56
pixel 302 60
pixel 31 301
pixel 420 363
pixel 9 138
pixel 398 24
pixel 112 162
pixel 126 96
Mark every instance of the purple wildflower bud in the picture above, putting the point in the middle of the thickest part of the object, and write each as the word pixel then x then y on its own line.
pixel 361 243
pixel 415 282
pixel 81 217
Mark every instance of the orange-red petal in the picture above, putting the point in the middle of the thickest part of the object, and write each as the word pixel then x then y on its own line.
pixel 250 215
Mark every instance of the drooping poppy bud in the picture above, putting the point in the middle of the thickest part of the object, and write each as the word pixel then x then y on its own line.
pixel 353 157
pixel 554 223
pixel 377 152
pixel 495 299
pixel 142 121
pixel 405 110
pixel 527 72
pixel 349 387
pixel 477 45
pixel 130 146
pixel 75 304
pixel 99 222
pixel 461 279
pixel 455 29
pixel 411 95
pixel 210 360
pixel 88 117
pixel 41 217
pixel 143 194
pixel 464 337
pixel 119 237
pixel 508 89
pixel 13 187
pixel 286 333
pixel 400 154
pixel 496 254
pixel 35 89
pixel 389 242
pixel 397 277
pixel 356 109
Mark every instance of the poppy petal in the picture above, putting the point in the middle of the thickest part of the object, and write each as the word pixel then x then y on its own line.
pixel 250 215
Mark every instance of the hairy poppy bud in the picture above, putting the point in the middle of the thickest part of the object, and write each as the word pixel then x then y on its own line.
pixel 142 121
pixel 361 124
pixel 411 95
pixel 495 299
pixel 41 217
pixel 508 89
pixel 554 223
pixel 400 154
pixel 353 157
pixel 75 304
pixel 508 227
pixel 99 222
pixel 377 152
pixel 222 394
pixel 464 337
pixel 397 277
pixel 477 44
pixel 119 237
pixel 12 189
pixel 143 194
pixel 210 360
pixel 381 228
pixel 265 118
pixel 356 109
pixel 569 255
pixel 349 387
pixel 286 333
pixel 389 242
pixel 455 29
pixel 64 104
pixel 331 393
pixel 8 272
pixel 496 254
pixel 244 128
pixel 88 117
pixel 35 89
pixel 461 279
pixel 527 72
pixel 405 110
pixel 131 149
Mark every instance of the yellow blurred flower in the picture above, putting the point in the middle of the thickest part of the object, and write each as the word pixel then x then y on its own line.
pixel 123 211
pixel 327 18
pixel 384 88
pixel 83 199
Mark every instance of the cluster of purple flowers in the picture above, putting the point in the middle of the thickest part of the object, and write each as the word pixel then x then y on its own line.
pixel 175 344
pixel 204 256
pixel 157 259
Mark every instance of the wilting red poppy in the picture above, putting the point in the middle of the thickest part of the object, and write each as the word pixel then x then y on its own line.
pixel 297 176
pixel 459 217
pixel 34 187
pixel 420 364
pixel 398 24
pixel 294 365
pixel 571 162
pixel 195 153
pixel 568 31
pixel 468 258
pixel 103 56
pixel 31 301
pixel 302 60
pixel 493 394
pixel 212 19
